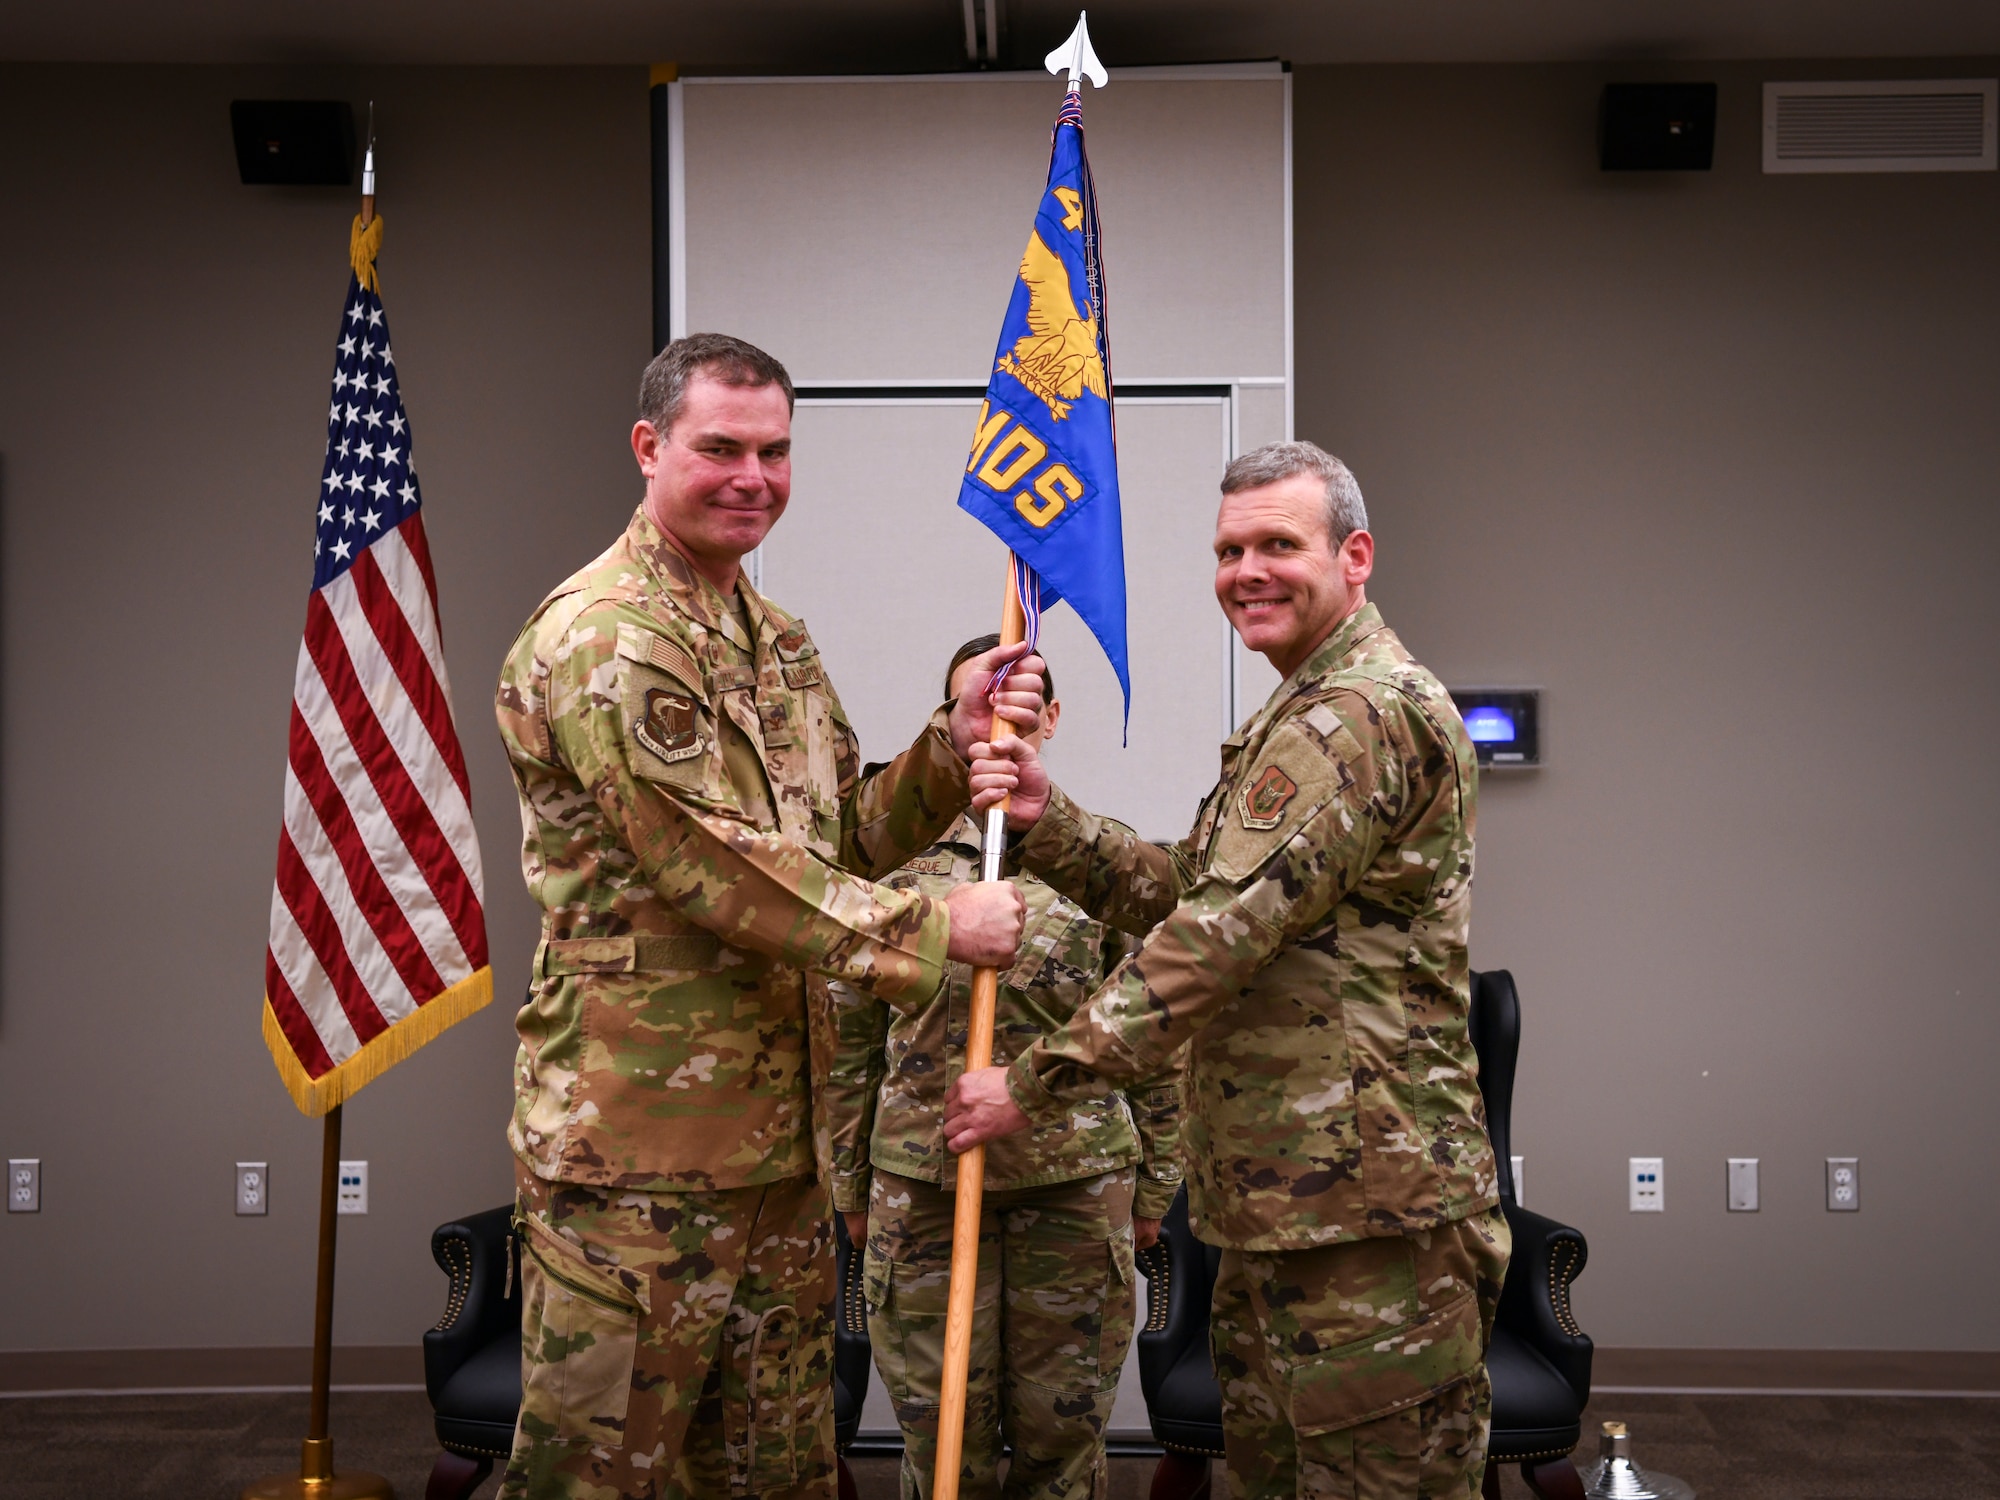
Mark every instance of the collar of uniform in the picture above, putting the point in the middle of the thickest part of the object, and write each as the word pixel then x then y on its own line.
pixel 764 626
pixel 1334 651
pixel 690 589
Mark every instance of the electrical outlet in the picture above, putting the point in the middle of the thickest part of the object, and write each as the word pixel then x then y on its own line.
pixel 1642 1178
pixel 24 1185
pixel 1519 1163
pixel 353 1195
pixel 1743 1184
pixel 253 1187
pixel 1843 1184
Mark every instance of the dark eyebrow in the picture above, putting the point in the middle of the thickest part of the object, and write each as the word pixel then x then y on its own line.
pixel 707 439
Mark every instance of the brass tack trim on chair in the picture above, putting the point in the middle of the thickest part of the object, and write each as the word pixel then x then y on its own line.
pixel 1193 1452
pixel 467 1450
pixel 1528 1458
pixel 1159 1284
pixel 857 1315
pixel 1561 1272
pixel 460 1273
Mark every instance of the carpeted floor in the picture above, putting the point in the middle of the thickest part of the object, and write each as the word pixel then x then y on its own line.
pixel 196 1447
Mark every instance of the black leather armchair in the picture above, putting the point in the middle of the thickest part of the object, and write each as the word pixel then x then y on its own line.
pixel 1183 1402
pixel 1539 1360
pixel 472 1359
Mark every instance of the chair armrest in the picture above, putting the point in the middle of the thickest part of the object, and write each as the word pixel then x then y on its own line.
pixel 1177 1295
pixel 1534 1302
pixel 851 1358
pixel 479 1255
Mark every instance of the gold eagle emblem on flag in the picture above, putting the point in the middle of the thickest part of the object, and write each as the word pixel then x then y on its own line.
pixel 1058 358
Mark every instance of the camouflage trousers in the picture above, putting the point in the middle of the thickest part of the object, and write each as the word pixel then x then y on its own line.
pixel 674 1345
pixel 1052 1321
pixel 1358 1370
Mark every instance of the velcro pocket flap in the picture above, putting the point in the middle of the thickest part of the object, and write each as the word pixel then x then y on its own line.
pixel 580 1332
pixel 669 731
pixel 568 1263
pixel 1384 1373
pixel 1293 777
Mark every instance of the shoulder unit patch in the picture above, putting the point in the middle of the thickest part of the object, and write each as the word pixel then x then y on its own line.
pixel 667 727
pixel 1262 803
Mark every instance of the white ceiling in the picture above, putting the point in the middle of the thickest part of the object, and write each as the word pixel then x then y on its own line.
pixel 899 35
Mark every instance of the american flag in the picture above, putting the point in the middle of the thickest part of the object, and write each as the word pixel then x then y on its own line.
pixel 378 930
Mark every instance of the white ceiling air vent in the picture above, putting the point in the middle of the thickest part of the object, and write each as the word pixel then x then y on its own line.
pixel 1904 125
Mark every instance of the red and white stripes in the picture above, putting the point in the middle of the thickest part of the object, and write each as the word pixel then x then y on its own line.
pixel 378 905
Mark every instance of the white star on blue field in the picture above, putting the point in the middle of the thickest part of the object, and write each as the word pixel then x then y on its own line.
pixel 367 486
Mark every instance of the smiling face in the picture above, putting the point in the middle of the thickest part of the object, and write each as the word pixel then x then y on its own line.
pixel 1279 577
pixel 718 480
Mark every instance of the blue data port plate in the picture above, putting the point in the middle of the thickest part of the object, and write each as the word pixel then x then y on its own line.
pixel 1505 725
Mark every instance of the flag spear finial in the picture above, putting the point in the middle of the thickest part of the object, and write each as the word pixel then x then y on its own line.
pixel 368 171
pixel 1076 58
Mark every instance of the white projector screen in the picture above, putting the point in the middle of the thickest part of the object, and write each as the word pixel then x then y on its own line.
pixel 867 230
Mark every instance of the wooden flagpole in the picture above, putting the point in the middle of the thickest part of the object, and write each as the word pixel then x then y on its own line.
pixel 972 1165
pixel 316 1479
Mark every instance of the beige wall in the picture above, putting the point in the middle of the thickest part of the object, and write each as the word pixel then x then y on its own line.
pixel 1709 458
pixel 163 383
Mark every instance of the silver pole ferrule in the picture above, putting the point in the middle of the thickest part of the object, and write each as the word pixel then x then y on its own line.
pixel 994 848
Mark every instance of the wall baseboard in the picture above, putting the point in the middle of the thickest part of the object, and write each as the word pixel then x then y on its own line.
pixel 204 1369
pixel 1873 1370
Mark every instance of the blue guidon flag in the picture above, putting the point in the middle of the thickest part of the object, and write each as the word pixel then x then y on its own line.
pixel 1043 474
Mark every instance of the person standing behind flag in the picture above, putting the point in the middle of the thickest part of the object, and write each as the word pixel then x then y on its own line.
pixel 1311 941
pixel 695 826
pixel 1064 1211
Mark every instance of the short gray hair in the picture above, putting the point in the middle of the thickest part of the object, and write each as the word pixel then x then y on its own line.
pixel 663 388
pixel 1345 514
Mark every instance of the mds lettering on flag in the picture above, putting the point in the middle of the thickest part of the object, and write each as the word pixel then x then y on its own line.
pixel 378 927
pixel 1043 472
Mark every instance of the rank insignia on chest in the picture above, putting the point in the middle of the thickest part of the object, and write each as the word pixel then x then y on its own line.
pixel 1263 802
pixel 667 728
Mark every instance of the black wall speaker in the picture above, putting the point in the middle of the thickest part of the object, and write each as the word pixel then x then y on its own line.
pixel 1657 127
pixel 297 142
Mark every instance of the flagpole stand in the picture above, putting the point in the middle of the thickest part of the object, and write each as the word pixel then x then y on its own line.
pixel 316 1479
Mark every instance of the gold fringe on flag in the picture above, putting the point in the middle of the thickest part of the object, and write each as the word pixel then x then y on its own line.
pixel 364 243
pixel 315 1096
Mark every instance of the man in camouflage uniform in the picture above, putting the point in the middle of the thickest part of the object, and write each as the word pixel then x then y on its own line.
pixel 694 827
pixel 1055 1297
pixel 1310 944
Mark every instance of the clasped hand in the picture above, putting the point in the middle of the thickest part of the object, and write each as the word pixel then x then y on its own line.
pixel 1017 704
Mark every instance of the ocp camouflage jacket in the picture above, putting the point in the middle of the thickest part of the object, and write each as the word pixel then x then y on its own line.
pixel 886 1095
pixel 692 809
pixel 1311 942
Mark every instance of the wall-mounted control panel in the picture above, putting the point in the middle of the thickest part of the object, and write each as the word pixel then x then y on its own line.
pixel 1505 725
